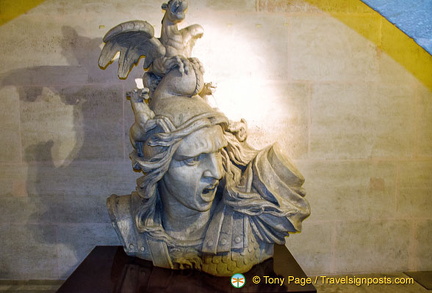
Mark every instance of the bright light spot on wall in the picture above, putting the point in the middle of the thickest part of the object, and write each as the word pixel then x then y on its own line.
pixel 241 64
pixel 251 99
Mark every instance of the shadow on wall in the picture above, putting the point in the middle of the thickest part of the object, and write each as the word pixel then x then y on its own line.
pixel 72 136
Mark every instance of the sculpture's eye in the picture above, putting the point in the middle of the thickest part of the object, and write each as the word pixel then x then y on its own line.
pixel 192 161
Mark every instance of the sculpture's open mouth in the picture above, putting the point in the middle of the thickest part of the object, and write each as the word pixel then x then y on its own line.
pixel 209 191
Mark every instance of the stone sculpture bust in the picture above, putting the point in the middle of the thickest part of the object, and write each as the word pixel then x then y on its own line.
pixel 206 200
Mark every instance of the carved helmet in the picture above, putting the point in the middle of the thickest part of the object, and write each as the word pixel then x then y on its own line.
pixel 175 118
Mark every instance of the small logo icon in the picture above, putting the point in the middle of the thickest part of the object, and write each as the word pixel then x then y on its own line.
pixel 256 280
pixel 238 280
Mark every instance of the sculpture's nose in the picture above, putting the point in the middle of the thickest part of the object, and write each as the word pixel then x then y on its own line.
pixel 214 168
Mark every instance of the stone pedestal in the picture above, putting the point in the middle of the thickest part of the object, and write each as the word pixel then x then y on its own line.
pixel 109 269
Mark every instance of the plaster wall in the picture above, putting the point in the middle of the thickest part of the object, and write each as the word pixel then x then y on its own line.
pixel 357 123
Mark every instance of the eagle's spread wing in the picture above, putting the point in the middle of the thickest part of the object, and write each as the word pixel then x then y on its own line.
pixel 190 35
pixel 133 39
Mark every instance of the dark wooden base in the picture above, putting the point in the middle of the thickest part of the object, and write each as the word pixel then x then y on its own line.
pixel 109 269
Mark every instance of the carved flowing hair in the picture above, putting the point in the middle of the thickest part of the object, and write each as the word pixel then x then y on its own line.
pixel 154 157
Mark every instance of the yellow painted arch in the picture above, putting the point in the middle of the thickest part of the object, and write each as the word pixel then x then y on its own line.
pixel 10 9
pixel 391 40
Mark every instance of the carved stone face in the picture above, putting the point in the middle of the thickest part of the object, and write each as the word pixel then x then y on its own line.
pixel 195 170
